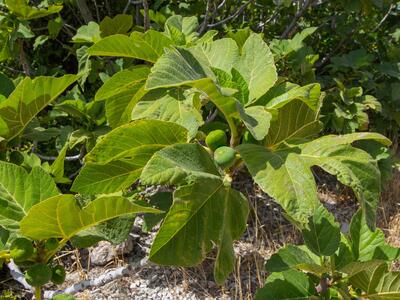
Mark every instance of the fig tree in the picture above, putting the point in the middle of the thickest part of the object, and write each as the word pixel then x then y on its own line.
pixel 21 249
pixel 216 138
pixel 225 157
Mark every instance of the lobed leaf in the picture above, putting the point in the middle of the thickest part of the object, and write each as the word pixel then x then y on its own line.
pixel 121 93
pixel 203 213
pixel 290 284
pixel 19 191
pixel 49 219
pixel 175 163
pixel 257 66
pixel 118 158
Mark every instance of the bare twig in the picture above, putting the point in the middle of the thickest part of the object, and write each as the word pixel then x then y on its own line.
pixel 18 276
pixel 146 19
pixel 131 2
pixel 67 29
pixel 108 7
pixel 203 25
pixel 99 281
pixel 298 15
pixel 392 6
pixel 328 57
pixel 84 10
pixel 12 69
pixel 97 11
pixel 212 116
pixel 23 60
pixel 236 14
pixel 52 158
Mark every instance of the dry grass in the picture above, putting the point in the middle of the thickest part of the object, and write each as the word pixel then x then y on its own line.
pixel 389 210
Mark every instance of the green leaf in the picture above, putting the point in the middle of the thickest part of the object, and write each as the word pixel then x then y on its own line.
pixel 286 177
pixel 323 234
pixel 179 67
pixel 180 29
pixel 172 106
pixel 257 66
pixel 57 167
pixel 293 257
pixel 115 231
pixel 162 201
pixel 64 218
pixel 293 122
pixel 89 33
pixel 368 245
pixel 148 46
pixel 6 85
pixel 240 36
pixel 113 176
pixel 221 54
pixel 175 68
pixel 84 64
pixel 118 158
pixel 54 27
pixel 126 140
pixel 353 167
pixel 25 12
pixel 4 238
pixel 256 119
pixel 27 100
pixel 121 93
pixel 120 24
pixel 282 48
pixel 287 285
pixel 174 164
pixel 309 94
pixel 203 213
pixel 344 255
pixel 377 283
pixel 19 191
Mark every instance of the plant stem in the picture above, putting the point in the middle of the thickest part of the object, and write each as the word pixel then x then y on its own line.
pixel 146 19
pixel 38 292
pixel 84 10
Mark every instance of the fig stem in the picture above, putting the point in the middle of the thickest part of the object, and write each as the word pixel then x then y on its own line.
pixel 38 292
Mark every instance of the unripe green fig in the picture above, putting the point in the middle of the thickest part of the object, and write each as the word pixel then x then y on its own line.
pixel 58 274
pixel 38 275
pixel 225 157
pixel 21 249
pixel 216 138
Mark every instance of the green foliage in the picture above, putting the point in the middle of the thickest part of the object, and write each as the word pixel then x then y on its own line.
pixel 38 275
pixel 58 274
pixel 21 249
pixel 148 98
pixel 311 272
